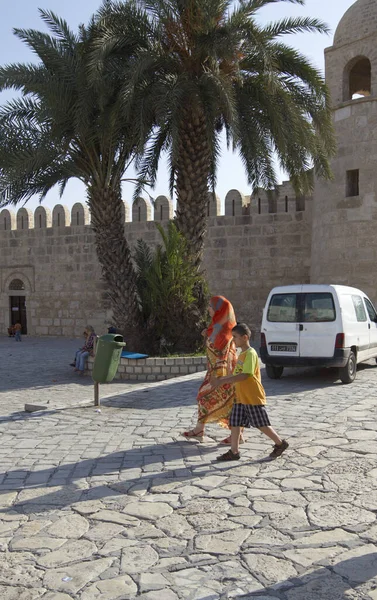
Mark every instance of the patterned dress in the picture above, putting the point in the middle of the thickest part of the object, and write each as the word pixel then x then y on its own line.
pixel 215 405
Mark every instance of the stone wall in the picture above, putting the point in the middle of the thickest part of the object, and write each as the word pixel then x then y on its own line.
pixel 262 242
pixel 156 369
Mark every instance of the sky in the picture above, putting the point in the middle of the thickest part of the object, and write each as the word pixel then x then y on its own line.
pixel 24 14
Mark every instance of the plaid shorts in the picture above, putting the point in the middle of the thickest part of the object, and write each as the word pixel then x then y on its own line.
pixel 247 415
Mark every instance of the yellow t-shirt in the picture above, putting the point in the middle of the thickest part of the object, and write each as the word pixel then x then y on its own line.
pixel 251 390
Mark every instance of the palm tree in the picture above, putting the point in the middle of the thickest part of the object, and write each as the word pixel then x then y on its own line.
pixel 208 66
pixel 67 123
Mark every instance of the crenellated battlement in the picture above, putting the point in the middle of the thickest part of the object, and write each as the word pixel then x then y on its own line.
pixel 142 210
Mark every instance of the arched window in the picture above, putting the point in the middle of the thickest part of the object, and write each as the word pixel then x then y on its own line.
pixel 16 284
pixel 358 79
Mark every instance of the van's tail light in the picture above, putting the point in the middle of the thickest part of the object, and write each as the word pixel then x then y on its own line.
pixel 263 342
pixel 339 341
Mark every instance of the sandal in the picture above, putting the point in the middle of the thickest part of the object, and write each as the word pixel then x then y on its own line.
pixel 227 441
pixel 191 434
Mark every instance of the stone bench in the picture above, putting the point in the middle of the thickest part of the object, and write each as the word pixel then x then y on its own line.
pixel 155 369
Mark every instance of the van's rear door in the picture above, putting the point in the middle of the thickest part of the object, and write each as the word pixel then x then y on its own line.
pixel 319 322
pixel 282 329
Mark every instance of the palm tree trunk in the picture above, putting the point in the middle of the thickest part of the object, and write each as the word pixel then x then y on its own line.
pixel 114 255
pixel 193 168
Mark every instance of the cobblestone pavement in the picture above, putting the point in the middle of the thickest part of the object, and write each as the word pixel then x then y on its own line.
pixel 117 505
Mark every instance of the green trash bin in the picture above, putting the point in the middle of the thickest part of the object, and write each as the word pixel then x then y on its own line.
pixel 106 361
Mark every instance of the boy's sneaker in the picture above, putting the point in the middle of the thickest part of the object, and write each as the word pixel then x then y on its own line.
pixel 278 450
pixel 229 456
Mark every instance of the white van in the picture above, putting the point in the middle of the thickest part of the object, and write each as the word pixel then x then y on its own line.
pixel 318 325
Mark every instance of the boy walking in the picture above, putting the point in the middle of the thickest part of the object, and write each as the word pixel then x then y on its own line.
pixel 248 408
pixel 17 331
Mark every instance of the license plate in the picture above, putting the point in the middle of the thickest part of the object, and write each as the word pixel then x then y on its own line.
pixel 283 347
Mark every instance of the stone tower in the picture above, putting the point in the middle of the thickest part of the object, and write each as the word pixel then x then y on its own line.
pixel 344 243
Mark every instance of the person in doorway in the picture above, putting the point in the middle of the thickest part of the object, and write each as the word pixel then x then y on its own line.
pixel 17 331
pixel 248 409
pixel 87 350
pixel 214 403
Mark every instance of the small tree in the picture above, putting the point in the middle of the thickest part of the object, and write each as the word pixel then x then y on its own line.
pixel 166 284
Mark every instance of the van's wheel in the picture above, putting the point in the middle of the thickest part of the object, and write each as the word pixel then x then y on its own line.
pixel 347 374
pixel 274 372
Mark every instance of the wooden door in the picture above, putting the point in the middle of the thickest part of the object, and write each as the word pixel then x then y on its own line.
pixel 18 312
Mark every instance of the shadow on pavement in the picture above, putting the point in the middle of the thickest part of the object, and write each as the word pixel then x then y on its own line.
pixel 118 464
pixel 340 581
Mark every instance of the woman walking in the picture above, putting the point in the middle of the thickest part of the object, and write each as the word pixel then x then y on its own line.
pixel 215 404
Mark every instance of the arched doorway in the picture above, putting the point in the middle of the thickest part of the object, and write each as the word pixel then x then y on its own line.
pixel 17 304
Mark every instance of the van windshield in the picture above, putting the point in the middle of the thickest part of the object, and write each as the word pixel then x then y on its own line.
pixel 315 307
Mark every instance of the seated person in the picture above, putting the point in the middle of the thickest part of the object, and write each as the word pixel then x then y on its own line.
pixel 87 349
pixel 11 331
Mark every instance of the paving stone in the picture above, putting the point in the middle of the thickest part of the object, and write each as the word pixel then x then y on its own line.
pixel 146 510
pixel 18 593
pixel 111 589
pixel 87 507
pixel 176 526
pixel 138 559
pixel 72 551
pixel 333 536
pixel 299 483
pixel 167 546
pixel 204 505
pixel 228 542
pixel 70 526
pixel 272 570
pixel 144 531
pixel 17 569
pixel 8 527
pixel 211 522
pixel 267 536
pixel 308 556
pixel 113 516
pixel 289 521
pixel 33 527
pixel 211 482
pixel 152 581
pixel 170 498
pixel 114 545
pixel 104 532
pixel 73 578
pixel 36 543
pixel 7 498
pixel 322 514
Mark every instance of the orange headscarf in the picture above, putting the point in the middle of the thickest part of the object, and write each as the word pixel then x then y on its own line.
pixel 219 331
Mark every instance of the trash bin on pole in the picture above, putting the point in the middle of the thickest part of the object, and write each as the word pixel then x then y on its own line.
pixel 108 352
